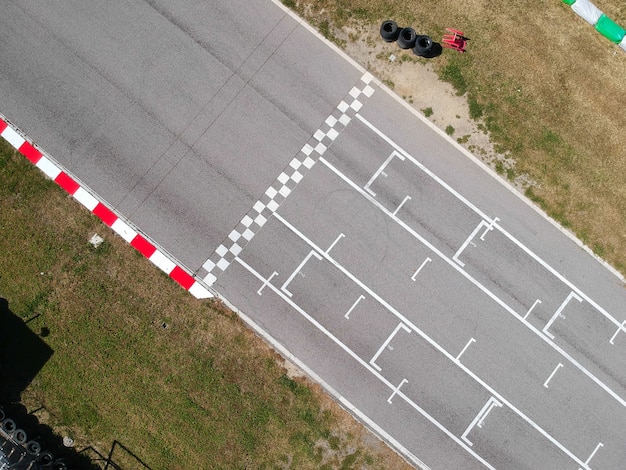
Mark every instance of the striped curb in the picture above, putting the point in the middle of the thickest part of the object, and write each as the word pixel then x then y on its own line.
pixel 82 194
pixel 602 23
pixel 286 182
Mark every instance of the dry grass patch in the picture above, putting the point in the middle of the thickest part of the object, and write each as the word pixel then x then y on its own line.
pixel 545 85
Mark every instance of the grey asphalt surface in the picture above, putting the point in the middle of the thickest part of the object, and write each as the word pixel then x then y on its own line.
pixel 473 342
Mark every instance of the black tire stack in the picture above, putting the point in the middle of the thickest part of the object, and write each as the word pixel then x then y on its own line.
pixel 31 449
pixel 389 31
pixel 407 38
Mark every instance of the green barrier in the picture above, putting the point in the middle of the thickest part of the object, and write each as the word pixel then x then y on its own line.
pixel 569 2
pixel 610 29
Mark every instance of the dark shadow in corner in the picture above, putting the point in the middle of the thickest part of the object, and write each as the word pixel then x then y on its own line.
pixel 53 454
pixel 22 354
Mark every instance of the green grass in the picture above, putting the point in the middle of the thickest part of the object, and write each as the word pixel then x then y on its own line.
pixel 453 74
pixel 204 392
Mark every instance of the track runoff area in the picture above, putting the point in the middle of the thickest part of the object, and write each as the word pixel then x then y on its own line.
pixel 516 374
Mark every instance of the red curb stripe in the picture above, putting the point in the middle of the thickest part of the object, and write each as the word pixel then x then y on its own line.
pixel 30 152
pixel 105 214
pixel 143 246
pixel 67 183
pixel 180 276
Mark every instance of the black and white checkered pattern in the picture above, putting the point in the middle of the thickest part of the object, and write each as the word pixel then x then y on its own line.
pixel 287 180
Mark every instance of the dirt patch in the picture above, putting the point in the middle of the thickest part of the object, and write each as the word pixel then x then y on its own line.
pixel 415 80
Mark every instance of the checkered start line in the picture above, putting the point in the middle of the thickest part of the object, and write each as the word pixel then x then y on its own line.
pixel 286 182
pixel 54 171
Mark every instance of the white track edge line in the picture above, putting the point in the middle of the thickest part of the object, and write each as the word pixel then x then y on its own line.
pixel 454 143
pixel 344 402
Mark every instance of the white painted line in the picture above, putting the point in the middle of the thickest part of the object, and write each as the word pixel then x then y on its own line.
pixel 594 453
pixel 265 283
pixel 407 198
pixel 482 288
pixel 479 419
pixel 386 343
pixel 341 235
pixel 297 270
pixel 428 339
pixel 560 277
pixel 622 327
pixel 365 365
pixel 407 155
pixel 471 340
pixel 531 308
pixel 558 366
pixel 489 228
pixel 347 315
pixel 558 313
pixel 427 260
pixel 484 216
pixel 396 390
pixel 381 170
pixel 467 242
pixel 486 291
pixel 500 180
pixel 486 169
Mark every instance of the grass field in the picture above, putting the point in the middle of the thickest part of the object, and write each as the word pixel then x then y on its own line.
pixel 181 383
pixel 548 88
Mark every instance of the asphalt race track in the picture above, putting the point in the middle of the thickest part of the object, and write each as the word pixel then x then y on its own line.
pixel 457 321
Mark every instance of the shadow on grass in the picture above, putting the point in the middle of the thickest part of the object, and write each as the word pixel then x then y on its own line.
pixel 58 455
pixel 435 51
pixel 120 457
pixel 23 353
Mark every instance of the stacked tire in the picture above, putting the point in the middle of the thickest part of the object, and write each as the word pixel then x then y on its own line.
pixel 19 436
pixel 423 46
pixel 389 31
pixel 407 38
pixel 9 426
